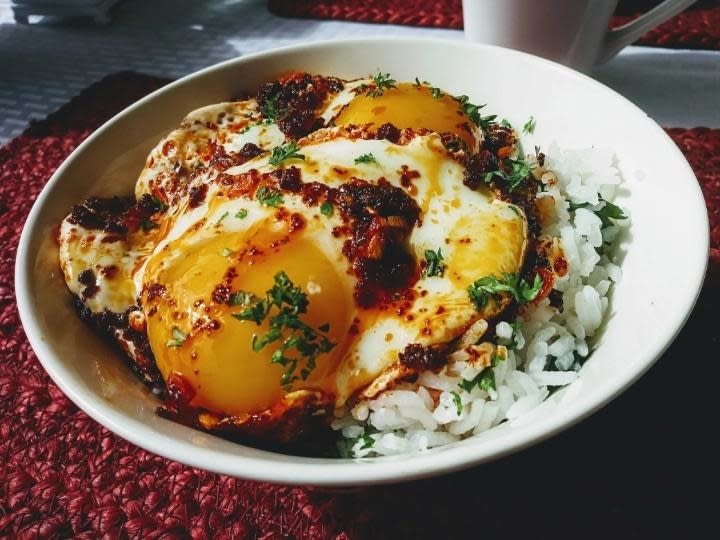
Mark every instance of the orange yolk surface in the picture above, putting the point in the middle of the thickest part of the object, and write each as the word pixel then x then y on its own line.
pixel 411 106
pixel 216 357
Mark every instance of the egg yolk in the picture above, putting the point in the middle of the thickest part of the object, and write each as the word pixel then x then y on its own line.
pixel 216 357
pixel 411 106
pixel 488 243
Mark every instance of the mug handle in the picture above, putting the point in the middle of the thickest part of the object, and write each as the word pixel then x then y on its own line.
pixel 619 38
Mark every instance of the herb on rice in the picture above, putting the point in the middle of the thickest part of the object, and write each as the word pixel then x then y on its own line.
pixel 483 289
pixel 285 325
pixel 241 214
pixel 434 263
pixel 607 212
pixel 367 441
pixel 226 214
pixel 458 402
pixel 485 380
pixel 529 126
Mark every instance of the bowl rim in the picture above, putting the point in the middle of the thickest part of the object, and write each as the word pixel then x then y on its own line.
pixel 322 471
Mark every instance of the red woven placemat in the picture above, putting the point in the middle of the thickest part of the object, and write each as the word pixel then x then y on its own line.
pixel 696 28
pixel 64 476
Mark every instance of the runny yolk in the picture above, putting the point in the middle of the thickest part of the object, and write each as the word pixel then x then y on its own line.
pixel 411 106
pixel 217 358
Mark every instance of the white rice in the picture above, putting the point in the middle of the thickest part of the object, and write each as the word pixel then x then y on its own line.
pixel 549 346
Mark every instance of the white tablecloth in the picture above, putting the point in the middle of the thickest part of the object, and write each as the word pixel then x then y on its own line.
pixel 44 64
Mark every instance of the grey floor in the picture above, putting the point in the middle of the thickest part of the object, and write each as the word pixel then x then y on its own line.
pixel 45 63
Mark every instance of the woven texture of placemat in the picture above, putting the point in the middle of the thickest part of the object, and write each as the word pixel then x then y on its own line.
pixel 696 28
pixel 64 476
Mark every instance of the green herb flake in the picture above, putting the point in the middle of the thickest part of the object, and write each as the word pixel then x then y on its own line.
pixel 609 211
pixel 434 263
pixel 226 214
pixel 241 214
pixel 436 92
pixel 326 208
pixel 473 112
pixel 458 403
pixel 288 302
pixel 529 126
pixel 269 197
pixel 270 110
pixel 513 173
pixel 606 213
pixel 367 442
pixel 289 150
pixel 516 327
pixel 241 298
pixel 157 204
pixel 226 252
pixel 148 225
pixel 505 123
pixel 383 82
pixel 178 338
pixel 485 380
pixel 365 158
pixel 483 289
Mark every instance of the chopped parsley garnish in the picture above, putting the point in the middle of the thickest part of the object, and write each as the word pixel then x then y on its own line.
pixel 485 380
pixel 226 252
pixel 436 92
pixel 270 110
pixel 269 197
pixel 483 289
pixel 241 214
pixel 519 171
pixel 148 224
pixel 458 403
pixel 326 208
pixel 382 82
pixel 289 150
pixel 226 214
pixel 473 112
pixel 529 126
pixel 157 204
pixel 241 298
pixel 608 211
pixel 365 158
pixel 505 123
pixel 178 338
pixel 285 326
pixel 434 263
pixel 367 442
pixel 516 327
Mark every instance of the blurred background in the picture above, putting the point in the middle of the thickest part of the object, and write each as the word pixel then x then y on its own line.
pixel 51 58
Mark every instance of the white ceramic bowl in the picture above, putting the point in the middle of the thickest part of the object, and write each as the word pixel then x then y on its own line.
pixel 663 269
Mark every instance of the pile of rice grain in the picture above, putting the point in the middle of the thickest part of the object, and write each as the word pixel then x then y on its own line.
pixel 544 351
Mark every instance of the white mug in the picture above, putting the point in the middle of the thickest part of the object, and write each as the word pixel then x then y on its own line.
pixel 572 32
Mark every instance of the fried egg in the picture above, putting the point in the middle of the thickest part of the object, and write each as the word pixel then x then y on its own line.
pixel 226 223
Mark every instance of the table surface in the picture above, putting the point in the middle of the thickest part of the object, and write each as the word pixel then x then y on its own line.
pixel 46 63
